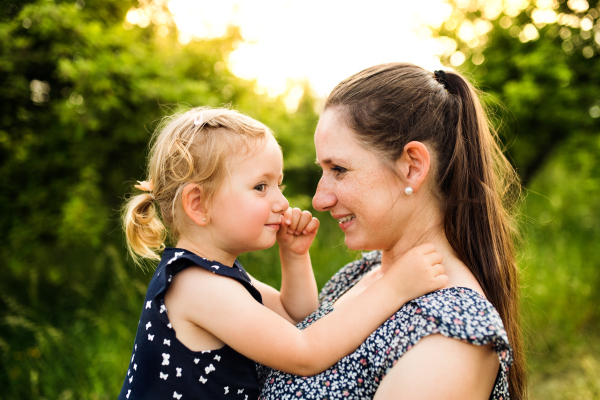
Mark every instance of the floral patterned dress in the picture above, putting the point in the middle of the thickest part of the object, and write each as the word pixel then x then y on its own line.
pixel 458 313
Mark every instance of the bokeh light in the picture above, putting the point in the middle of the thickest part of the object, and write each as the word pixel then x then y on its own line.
pixel 319 42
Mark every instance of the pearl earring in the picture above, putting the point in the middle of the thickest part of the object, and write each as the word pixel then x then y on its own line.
pixel 408 190
pixel 203 219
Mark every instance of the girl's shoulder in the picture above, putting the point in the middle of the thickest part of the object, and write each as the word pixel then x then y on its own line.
pixel 348 274
pixel 175 260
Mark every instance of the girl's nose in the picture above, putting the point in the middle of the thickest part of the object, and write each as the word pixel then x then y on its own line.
pixel 281 204
pixel 324 198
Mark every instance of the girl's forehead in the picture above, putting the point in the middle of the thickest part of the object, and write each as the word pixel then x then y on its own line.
pixel 265 158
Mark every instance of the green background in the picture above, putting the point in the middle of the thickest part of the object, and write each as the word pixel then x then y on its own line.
pixel 80 94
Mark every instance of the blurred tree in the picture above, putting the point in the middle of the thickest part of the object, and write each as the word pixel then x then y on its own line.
pixel 81 89
pixel 540 59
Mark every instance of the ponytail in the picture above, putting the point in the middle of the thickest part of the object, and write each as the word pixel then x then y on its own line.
pixel 144 231
pixel 481 188
pixel 195 146
pixel 390 105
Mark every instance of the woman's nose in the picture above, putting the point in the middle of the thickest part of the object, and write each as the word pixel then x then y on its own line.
pixel 324 198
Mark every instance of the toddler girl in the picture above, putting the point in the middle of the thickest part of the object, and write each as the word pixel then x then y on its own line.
pixel 214 179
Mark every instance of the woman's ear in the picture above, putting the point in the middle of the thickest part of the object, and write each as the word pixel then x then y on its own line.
pixel 414 164
pixel 192 200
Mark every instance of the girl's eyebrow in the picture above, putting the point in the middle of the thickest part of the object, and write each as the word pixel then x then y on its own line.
pixel 325 161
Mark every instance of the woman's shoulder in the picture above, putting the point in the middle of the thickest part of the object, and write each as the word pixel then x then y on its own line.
pixel 347 274
pixel 457 312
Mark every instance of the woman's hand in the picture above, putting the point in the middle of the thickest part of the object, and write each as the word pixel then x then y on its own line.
pixel 297 231
pixel 419 271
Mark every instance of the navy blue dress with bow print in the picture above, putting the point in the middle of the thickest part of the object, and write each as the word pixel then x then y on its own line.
pixel 162 367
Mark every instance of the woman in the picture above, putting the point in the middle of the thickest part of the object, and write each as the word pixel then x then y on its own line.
pixel 408 158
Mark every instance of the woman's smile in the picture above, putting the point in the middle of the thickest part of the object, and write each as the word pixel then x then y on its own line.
pixel 345 221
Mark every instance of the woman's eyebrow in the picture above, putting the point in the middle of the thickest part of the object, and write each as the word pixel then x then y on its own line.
pixel 325 161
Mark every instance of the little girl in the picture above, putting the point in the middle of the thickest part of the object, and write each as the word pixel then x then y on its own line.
pixel 214 179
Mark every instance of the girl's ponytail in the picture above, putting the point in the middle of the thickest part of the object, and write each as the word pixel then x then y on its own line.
pixel 195 146
pixel 144 231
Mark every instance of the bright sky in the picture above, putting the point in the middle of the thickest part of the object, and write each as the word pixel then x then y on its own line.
pixel 322 41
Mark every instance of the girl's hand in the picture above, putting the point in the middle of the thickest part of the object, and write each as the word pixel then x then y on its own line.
pixel 419 271
pixel 297 231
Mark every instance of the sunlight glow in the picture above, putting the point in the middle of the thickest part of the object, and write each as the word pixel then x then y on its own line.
pixel 286 42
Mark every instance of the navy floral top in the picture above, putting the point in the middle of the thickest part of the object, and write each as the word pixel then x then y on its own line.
pixel 458 313
pixel 162 367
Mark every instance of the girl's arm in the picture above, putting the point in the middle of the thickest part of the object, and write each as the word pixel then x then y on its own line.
pixel 227 310
pixel 299 295
pixel 460 371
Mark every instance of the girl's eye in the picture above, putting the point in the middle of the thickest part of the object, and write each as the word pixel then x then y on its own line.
pixel 281 187
pixel 261 187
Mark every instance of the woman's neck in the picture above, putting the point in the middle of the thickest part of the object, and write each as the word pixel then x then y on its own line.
pixel 431 231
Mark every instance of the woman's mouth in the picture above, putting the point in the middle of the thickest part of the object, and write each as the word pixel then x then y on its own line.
pixel 346 221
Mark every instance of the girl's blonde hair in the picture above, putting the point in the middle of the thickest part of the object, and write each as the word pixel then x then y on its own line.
pixel 195 146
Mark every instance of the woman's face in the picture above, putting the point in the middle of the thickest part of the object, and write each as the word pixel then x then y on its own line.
pixel 362 194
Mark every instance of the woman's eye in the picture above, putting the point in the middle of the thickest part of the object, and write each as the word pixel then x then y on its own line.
pixel 261 187
pixel 339 170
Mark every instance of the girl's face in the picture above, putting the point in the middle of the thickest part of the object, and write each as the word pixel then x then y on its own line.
pixel 363 195
pixel 246 210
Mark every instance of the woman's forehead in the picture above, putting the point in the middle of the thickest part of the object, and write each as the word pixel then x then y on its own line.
pixel 334 139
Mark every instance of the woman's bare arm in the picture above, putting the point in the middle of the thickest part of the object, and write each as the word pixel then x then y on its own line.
pixel 441 368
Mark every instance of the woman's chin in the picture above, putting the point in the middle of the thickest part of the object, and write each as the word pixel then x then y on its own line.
pixel 354 243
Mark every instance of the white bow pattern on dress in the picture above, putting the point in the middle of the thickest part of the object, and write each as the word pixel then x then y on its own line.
pixel 177 395
pixel 166 358
pixel 164 376
pixel 209 369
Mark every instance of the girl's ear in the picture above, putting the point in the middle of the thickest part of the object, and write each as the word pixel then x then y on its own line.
pixel 414 164
pixel 192 200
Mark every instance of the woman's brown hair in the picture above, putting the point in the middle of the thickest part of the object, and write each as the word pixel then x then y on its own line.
pixel 390 105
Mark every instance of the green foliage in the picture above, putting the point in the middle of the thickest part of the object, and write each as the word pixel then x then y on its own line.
pixel 562 272
pixel 549 86
pixel 81 92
